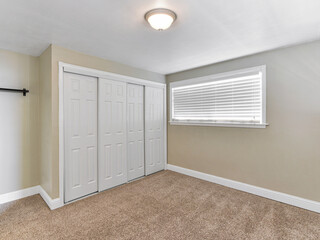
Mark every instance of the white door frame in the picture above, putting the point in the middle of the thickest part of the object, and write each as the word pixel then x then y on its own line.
pixel 65 67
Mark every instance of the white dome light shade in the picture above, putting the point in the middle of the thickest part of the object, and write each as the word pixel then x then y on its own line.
pixel 160 18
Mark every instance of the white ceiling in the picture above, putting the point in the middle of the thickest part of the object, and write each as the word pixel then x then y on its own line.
pixel 206 31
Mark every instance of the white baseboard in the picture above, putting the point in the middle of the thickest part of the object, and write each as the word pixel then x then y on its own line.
pixel 52 203
pixel 12 196
pixel 262 192
pixel 16 195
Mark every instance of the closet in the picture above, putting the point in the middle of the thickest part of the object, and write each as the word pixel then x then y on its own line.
pixel 80 95
pixel 135 131
pixel 113 132
pixel 154 130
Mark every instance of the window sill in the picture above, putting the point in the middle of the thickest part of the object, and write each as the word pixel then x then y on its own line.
pixel 239 125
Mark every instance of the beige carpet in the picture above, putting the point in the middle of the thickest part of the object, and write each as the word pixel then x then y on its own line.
pixel 166 205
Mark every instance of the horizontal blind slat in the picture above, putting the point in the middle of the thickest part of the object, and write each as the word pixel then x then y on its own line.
pixel 216 83
pixel 226 93
pixel 212 106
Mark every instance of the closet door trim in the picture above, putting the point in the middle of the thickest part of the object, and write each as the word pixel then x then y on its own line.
pixel 111 76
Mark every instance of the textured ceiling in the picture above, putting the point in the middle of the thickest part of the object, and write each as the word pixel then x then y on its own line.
pixel 206 31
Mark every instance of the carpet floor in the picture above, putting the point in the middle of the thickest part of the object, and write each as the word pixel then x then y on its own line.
pixel 166 205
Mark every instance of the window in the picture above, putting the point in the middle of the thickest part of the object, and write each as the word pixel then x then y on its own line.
pixel 235 99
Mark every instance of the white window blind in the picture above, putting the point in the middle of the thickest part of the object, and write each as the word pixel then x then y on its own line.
pixel 234 98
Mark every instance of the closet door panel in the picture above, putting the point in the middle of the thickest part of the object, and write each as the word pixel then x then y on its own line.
pixel 135 133
pixel 112 134
pixel 154 123
pixel 80 121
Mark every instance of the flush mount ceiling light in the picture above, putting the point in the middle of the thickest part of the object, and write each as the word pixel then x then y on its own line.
pixel 160 18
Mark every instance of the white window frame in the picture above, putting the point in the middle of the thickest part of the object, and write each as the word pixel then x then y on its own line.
pixel 217 77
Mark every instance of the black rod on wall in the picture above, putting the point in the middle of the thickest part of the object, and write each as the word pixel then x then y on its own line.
pixel 24 91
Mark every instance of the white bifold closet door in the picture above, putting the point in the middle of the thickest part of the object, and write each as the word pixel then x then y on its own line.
pixel 154 125
pixel 112 133
pixel 80 125
pixel 135 131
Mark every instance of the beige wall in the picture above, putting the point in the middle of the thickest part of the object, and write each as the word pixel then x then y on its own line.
pixel 283 157
pixel 45 125
pixel 19 119
pixel 76 58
